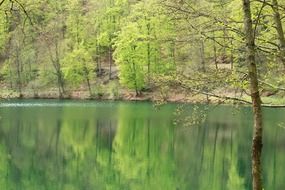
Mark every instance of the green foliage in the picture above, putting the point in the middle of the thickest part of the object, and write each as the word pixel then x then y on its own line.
pixel 77 66
pixel 46 77
pixel 114 90
pixel 99 91
pixel 6 73
pixel 129 57
pixel 235 182
pixel 146 39
pixel 137 46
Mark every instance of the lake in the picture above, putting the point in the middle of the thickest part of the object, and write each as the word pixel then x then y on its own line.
pixel 89 145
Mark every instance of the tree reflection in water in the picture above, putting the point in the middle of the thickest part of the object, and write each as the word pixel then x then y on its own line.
pixel 132 146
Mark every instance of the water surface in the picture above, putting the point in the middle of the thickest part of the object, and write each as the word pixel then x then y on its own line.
pixel 86 145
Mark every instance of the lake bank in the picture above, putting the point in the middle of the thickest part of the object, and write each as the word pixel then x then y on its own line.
pixel 172 96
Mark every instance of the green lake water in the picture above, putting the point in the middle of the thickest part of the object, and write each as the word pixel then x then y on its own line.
pixel 86 145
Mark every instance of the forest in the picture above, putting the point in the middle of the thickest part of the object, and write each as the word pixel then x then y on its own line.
pixel 152 49
pixel 207 51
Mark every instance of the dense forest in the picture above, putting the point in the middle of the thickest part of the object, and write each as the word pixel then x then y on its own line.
pixel 113 48
pixel 180 50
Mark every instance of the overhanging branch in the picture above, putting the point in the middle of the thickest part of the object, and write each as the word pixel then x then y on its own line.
pixel 228 97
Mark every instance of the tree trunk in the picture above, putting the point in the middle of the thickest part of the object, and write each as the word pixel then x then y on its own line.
pixel 98 69
pixel 215 51
pixel 86 73
pixel 59 74
pixel 60 82
pixel 135 78
pixel 280 31
pixel 19 73
pixel 110 62
pixel 255 96
pixel 232 55
pixel 202 56
pixel 148 54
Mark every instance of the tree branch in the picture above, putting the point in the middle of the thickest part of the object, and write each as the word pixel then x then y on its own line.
pixel 2 2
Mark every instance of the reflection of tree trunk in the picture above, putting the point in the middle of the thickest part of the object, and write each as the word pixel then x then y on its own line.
pixel 86 124
pixel 202 148
pixel 8 166
pixel 58 130
pixel 214 153
pixel 133 151
pixel 231 143
pixel 274 157
pixel 77 163
pixel 199 146
pixel 59 165
pixel 110 143
pixel 18 132
pixel 172 128
pixel 172 146
pixel 148 150
pixel 55 134
pixel 255 96
pixel 223 165
pixel 97 138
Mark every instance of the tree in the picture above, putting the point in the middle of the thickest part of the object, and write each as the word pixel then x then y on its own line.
pixel 77 67
pixel 54 34
pixel 279 30
pixel 255 96
pixel 129 58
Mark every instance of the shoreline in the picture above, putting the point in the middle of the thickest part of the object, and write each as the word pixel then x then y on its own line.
pixel 130 97
pixel 152 96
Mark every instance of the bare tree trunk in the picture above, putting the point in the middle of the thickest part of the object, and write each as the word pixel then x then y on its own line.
pixel 215 51
pixel 135 78
pixel 55 59
pixel 255 96
pixel 173 52
pixel 10 77
pixel 59 74
pixel 99 68
pixel 202 56
pixel 280 31
pixel 19 72
pixel 148 54
pixel 60 82
pixel 110 62
pixel 225 57
pixel 232 55
pixel 86 73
